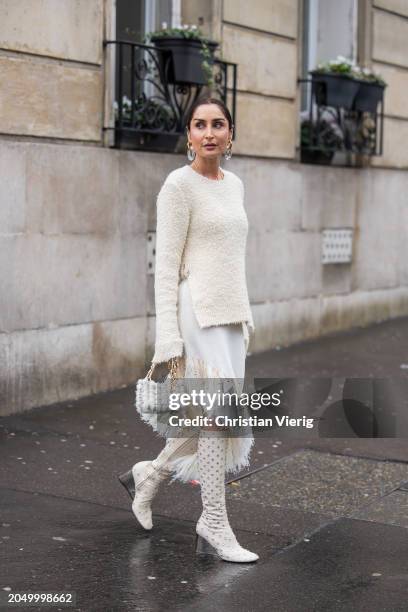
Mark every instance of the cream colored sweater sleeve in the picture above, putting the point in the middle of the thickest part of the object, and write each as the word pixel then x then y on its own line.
pixel 173 217
pixel 251 323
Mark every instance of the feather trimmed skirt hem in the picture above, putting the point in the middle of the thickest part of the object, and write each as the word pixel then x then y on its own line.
pixel 216 352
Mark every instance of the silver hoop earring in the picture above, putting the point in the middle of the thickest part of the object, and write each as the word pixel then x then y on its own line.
pixel 191 154
pixel 228 152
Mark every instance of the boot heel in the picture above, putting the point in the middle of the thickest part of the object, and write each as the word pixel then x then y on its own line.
pixel 128 482
pixel 204 547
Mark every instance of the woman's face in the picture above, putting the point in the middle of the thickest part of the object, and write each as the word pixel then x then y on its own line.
pixel 209 126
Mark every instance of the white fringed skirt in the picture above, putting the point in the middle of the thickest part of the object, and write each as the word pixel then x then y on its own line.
pixel 216 352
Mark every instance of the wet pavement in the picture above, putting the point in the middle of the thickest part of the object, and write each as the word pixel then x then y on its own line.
pixel 328 516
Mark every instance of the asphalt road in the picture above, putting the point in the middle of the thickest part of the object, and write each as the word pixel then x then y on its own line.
pixel 327 510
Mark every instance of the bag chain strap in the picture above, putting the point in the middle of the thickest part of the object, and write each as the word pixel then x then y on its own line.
pixel 172 365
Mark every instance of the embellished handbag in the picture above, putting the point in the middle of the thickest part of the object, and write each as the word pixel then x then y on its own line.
pixel 151 396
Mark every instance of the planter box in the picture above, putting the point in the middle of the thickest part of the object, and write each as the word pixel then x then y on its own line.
pixel 147 141
pixel 368 96
pixel 334 90
pixel 181 61
pixel 311 156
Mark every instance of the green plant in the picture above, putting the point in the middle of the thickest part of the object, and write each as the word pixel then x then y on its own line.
pixel 366 74
pixel 343 65
pixel 340 65
pixel 189 32
pixel 185 32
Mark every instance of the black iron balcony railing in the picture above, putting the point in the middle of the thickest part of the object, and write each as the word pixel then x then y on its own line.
pixel 150 107
pixel 342 116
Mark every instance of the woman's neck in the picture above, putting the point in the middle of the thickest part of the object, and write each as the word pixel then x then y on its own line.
pixel 209 168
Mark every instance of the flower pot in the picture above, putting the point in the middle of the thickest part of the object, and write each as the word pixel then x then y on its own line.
pixel 368 96
pixel 334 89
pixel 181 59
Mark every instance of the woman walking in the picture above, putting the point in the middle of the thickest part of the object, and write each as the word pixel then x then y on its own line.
pixel 203 318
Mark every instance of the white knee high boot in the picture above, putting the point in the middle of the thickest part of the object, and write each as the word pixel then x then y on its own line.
pixel 213 525
pixel 143 480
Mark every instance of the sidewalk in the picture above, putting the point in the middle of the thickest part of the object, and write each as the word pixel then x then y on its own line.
pixel 328 517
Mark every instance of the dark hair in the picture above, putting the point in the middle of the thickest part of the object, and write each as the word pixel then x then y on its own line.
pixel 209 100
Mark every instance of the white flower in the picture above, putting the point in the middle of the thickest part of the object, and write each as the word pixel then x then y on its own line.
pixel 344 60
pixel 193 27
pixel 164 25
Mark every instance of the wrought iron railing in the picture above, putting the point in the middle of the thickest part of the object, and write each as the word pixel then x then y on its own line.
pixel 327 129
pixel 150 110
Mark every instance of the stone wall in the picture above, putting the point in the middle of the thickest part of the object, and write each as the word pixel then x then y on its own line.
pixel 76 299
pixel 51 77
pixel 77 304
pixel 390 58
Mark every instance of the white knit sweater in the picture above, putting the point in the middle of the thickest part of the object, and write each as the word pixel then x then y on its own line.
pixel 201 235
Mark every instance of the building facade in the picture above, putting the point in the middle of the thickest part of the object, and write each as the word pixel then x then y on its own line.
pixel 77 214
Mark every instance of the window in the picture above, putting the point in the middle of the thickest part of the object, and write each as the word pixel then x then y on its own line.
pixel 134 18
pixel 145 105
pixel 329 30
